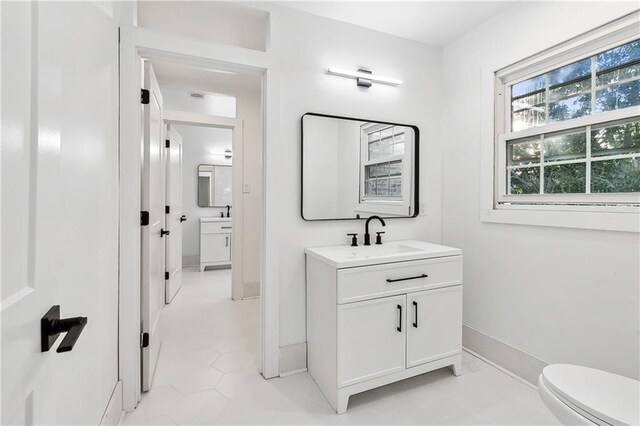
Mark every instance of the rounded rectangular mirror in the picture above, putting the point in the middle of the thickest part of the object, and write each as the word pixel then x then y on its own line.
pixel 354 168
pixel 214 185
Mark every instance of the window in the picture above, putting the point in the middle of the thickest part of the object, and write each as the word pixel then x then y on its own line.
pixel 386 169
pixel 568 126
pixel 383 165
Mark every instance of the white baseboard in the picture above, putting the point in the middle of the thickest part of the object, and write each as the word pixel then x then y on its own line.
pixel 113 414
pixel 502 355
pixel 293 359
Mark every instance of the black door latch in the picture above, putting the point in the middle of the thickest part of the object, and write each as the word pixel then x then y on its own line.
pixel 164 232
pixel 183 218
pixel 51 326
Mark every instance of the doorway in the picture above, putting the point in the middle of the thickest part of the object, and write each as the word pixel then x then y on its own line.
pixel 212 200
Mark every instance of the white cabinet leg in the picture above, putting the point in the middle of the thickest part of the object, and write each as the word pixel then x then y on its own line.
pixel 341 404
pixel 457 368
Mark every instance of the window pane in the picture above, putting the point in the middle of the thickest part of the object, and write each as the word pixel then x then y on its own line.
pixel 528 86
pixel 386 148
pixel 570 108
pixel 374 151
pixel 617 75
pixel 570 89
pixel 614 140
pixel 398 149
pixel 565 146
pixel 370 187
pixel 528 118
pixel 565 178
pixel 373 137
pixel 383 170
pixel 395 168
pixel 395 187
pixel 523 151
pixel 382 187
pixel 621 175
pixel 619 55
pixel 621 96
pixel 525 180
pixel 398 137
pixel 570 72
pixel 528 102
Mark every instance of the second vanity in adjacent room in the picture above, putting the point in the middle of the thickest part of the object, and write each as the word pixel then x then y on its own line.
pixel 382 313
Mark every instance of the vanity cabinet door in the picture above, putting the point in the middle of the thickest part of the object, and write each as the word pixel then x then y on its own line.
pixel 216 247
pixel 434 325
pixel 371 339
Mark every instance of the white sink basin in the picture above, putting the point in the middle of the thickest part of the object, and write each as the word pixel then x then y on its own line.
pixel 393 251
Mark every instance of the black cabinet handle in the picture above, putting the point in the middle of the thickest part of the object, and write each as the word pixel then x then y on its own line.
pixel 399 327
pixel 183 218
pixel 415 314
pixel 163 232
pixel 389 280
pixel 51 326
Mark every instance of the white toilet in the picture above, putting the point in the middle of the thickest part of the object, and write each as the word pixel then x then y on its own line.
pixel 585 396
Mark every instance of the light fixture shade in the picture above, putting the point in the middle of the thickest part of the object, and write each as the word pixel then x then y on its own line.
pixel 228 154
pixel 363 74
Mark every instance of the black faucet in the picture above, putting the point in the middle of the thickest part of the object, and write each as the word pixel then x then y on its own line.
pixel 367 236
pixel 228 210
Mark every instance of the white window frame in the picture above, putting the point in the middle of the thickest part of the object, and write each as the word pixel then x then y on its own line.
pixel 400 206
pixel 552 213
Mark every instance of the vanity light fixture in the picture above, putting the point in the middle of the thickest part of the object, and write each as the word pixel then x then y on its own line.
pixel 364 77
pixel 227 154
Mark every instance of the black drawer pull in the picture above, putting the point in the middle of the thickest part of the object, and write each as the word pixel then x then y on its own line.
pixel 399 327
pixel 389 280
pixel 415 314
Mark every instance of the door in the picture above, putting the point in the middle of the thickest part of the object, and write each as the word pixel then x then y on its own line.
pixel 371 339
pixel 152 295
pixel 434 325
pixel 216 247
pixel 174 216
pixel 59 220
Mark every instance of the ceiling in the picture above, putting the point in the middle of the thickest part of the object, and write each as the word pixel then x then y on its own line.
pixel 189 77
pixel 435 23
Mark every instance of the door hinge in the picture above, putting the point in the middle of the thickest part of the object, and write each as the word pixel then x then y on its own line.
pixel 166 275
pixel 144 340
pixel 167 143
pixel 144 218
pixel 167 209
pixel 144 96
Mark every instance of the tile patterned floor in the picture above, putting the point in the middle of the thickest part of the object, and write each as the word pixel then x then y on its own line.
pixel 207 374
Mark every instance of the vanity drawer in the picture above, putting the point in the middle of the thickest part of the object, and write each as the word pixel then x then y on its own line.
pixel 368 282
pixel 215 227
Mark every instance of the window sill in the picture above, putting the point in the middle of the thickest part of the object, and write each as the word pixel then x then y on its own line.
pixel 605 219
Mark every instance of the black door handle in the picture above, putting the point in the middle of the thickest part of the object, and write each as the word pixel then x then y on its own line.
pixel 51 326
pixel 390 280
pixel 163 232
pixel 183 218
pixel 415 314
pixel 399 327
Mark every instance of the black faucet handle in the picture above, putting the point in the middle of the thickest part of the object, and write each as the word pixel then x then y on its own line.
pixel 379 237
pixel 354 239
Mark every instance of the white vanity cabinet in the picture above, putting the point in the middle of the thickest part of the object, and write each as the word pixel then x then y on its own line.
pixel 377 315
pixel 215 242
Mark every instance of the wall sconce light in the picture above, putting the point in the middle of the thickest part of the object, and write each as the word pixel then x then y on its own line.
pixel 364 77
pixel 227 154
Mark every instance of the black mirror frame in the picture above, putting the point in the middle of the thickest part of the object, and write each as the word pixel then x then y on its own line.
pixel 416 168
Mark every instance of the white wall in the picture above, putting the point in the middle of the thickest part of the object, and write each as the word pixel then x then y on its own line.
pixel 562 295
pixel 197 144
pixel 212 103
pixel 307 45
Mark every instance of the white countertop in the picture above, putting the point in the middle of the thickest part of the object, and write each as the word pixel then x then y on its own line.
pixel 346 256
pixel 215 219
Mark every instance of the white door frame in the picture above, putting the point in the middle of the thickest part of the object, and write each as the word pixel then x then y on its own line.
pixel 236 125
pixel 140 42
